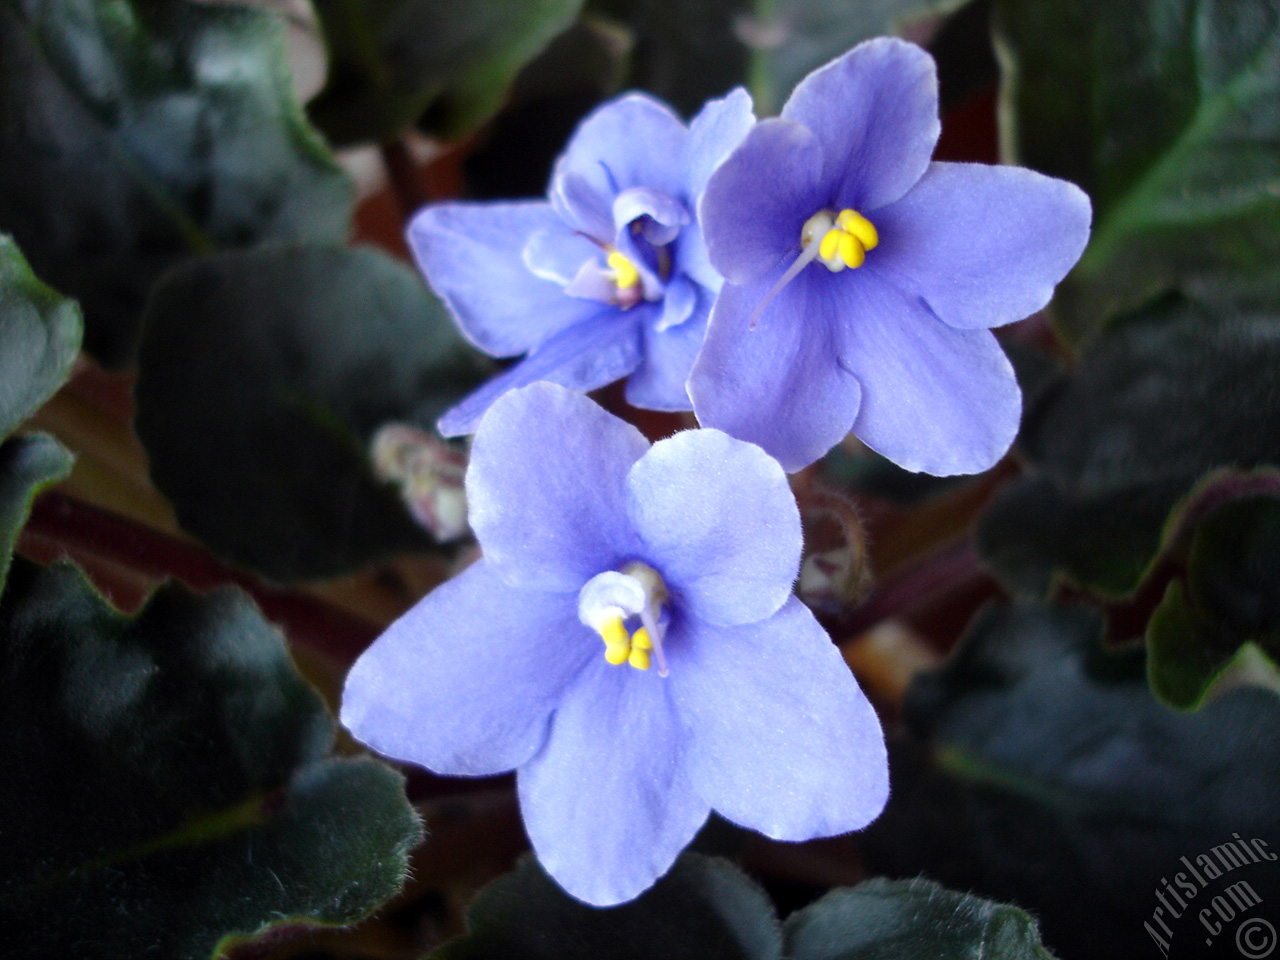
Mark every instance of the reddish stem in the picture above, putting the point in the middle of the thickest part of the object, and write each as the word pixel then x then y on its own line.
pixel 83 529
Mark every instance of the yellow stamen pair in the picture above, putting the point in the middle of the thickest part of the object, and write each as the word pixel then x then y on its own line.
pixel 846 243
pixel 625 274
pixel 619 648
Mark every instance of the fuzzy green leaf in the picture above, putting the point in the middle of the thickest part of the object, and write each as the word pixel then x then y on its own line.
pixel 40 334
pixel 133 135
pixel 704 909
pixel 392 61
pixel 168 785
pixel 1167 113
pixel 262 378
pixel 910 920
pixel 28 464
pixel 1041 769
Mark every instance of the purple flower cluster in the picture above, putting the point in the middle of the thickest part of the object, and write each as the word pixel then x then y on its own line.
pixel 629 642
pixel 630 645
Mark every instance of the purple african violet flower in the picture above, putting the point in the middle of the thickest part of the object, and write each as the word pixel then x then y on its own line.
pixel 608 279
pixel 714 687
pixel 885 334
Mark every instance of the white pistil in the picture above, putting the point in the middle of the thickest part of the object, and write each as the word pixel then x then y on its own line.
pixel 811 236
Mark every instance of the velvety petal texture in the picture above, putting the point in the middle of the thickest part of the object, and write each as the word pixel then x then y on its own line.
pixel 780 384
pixel 547 488
pixel 607 804
pixel 983 246
pixel 424 691
pixel 781 739
pixel 720 514
pixel 528 660
pixel 888 338
pixel 757 202
pixel 544 279
pixel 875 112
pixel 473 257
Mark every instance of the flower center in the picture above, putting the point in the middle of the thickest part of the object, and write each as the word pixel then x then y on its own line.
pixel 846 238
pixel 636 594
pixel 626 279
pixel 839 240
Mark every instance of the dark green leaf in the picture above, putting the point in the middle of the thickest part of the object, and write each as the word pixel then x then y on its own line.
pixel 134 136
pixel 910 920
pixel 1225 616
pixel 1040 769
pixel 40 335
pixel 1167 113
pixel 685 52
pixel 1165 398
pixel 28 464
pixel 704 909
pixel 791 37
pixel 167 783
pixel 262 378
pixel 691 51
pixel 392 61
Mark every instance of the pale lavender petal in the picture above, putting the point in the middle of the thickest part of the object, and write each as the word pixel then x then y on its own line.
pixel 719 127
pixel 464 683
pixel 581 207
pixel 779 385
pixel 547 488
pixel 661 215
pixel 934 399
pixel 607 803
pixel 659 382
pixel 557 255
pixel 757 201
pixel 718 517
pixel 875 111
pixel 679 303
pixel 692 261
pixel 594 281
pixel 782 739
pixel 590 355
pixel 633 141
pixel 472 255
pixel 983 245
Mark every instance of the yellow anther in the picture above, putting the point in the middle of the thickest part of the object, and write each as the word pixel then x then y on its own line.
pixel 851 221
pixel 614 634
pixel 640 640
pixel 625 274
pixel 617 653
pixel 830 245
pixel 851 251
pixel 639 658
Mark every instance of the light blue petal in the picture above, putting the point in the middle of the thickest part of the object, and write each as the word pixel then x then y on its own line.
pixel 557 256
pixel 875 110
pixel 679 303
pixel 713 134
pixel 596 352
pixel 579 205
pixel 472 254
pixel 692 261
pixel 464 683
pixel 934 399
pixel 547 488
pixel 780 385
pixel 665 214
pixel 718 519
pixel 659 382
pixel 607 803
pixel 757 201
pixel 633 141
pixel 983 245
pixel 782 739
